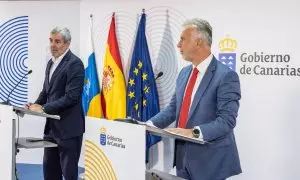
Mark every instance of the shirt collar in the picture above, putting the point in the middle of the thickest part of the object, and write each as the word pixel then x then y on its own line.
pixel 204 64
pixel 57 60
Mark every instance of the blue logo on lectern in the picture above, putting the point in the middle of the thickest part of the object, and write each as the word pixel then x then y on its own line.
pixel 103 136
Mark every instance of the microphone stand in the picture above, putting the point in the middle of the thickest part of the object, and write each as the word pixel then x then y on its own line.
pixel 7 102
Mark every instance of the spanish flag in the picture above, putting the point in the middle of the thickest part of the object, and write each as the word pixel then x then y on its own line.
pixel 91 100
pixel 113 81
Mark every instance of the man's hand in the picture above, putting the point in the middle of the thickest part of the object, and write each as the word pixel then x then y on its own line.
pixel 26 106
pixel 184 132
pixel 36 108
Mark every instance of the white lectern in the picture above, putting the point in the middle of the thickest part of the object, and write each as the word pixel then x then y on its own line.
pixel 9 143
pixel 6 141
pixel 116 150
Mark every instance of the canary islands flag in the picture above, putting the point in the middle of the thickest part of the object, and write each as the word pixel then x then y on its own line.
pixel 91 100
pixel 113 80
pixel 142 96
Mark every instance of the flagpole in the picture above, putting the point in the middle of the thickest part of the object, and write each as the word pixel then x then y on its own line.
pixel 91 31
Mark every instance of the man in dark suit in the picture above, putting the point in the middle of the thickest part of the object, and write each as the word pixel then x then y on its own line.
pixel 61 95
pixel 205 106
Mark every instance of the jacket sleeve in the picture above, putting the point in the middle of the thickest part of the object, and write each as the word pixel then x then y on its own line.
pixel 165 117
pixel 228 96
pixel 168 115
pixel 42 99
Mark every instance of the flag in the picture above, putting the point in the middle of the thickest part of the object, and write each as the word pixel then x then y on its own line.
pixel 142 96
pixel 113 81
pixel 91 100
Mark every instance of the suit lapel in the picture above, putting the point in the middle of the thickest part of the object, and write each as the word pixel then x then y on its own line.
pixel 47 74
pixel 208 75
pixel 59 68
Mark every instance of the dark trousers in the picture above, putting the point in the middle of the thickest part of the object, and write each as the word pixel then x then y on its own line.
pixel 185 174
pixel 62 161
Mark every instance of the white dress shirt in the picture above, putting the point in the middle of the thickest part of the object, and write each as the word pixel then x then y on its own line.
pixel 55 63
pixel 202 67
pixel 201 71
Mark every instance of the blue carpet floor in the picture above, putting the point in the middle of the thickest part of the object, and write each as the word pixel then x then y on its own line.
pixel 33 171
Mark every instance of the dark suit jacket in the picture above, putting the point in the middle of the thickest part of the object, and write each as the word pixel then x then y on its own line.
pixel 62 96
pixel 214 109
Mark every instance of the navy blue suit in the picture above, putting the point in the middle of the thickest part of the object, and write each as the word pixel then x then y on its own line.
pixel 214 109
pixel 62 96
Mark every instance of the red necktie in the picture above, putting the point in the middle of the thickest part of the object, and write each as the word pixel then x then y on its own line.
pixel 185 107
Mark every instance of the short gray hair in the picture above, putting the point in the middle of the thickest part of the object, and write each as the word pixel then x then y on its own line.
pixel 65 33
pixel 202 26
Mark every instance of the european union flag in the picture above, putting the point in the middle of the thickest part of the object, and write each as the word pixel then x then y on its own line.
pixel 142 96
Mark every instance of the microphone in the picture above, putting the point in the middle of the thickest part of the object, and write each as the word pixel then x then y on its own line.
pixel 141 95
pixel 159 75
pixel 12 90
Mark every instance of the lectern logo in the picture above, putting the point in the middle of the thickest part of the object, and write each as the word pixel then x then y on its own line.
pixel 103 136
pixel 228 56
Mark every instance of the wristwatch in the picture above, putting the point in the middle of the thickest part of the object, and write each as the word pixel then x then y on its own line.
pixel 196 132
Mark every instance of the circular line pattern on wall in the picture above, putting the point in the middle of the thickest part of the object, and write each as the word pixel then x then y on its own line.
pixel 164 25
pixel 13 57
